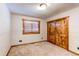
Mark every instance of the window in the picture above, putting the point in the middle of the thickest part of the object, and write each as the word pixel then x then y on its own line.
pixel 31 27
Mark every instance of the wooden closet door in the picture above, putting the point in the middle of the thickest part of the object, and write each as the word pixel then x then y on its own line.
pixel 62 33
pixel 51 32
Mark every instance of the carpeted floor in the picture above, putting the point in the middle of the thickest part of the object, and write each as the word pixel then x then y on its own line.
pixel 39 49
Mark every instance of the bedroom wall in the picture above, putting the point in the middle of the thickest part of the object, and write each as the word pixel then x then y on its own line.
pixel 4 29
pixel 17 28
pixel 73 27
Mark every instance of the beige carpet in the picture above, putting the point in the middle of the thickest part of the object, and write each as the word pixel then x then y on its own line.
pixel 39 49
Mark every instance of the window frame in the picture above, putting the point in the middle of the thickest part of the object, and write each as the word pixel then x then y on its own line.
pixel 37 32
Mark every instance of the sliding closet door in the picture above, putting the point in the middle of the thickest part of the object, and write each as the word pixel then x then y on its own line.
pixel 62 33
pixel 58 32
pixel 51 32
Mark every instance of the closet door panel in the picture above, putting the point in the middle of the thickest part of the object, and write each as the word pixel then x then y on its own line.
pixel 58 32
pixel 65 33
pixel 62 33
pixel 51 34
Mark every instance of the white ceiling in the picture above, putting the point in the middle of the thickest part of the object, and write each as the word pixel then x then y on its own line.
pixel 30 9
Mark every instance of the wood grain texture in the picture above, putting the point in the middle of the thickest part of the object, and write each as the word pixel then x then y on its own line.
pixel 58 32
pixel 51 32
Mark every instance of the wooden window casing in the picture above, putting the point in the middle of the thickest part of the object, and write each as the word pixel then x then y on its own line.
pixel 31 27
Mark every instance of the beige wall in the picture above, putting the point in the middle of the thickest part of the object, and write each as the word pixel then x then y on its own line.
pixel 4 29
pixel 73 27
pixel 17 30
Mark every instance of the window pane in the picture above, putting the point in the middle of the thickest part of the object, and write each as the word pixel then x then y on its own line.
pixel 35 27
pixel 31 27
pixel 27 26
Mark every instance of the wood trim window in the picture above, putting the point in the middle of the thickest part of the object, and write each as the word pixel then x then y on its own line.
pixel 31 27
